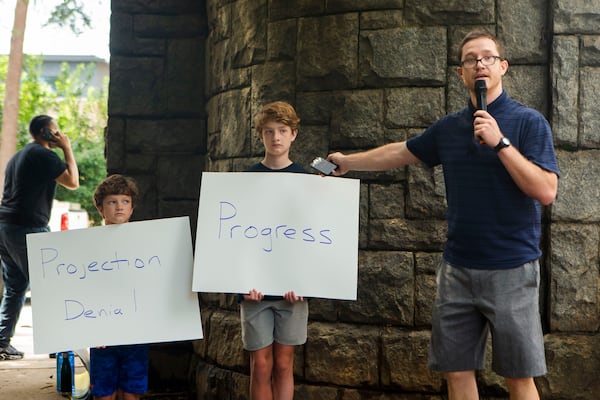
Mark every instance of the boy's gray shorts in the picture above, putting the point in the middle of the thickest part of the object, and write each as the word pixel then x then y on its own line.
pixel 472 302
pixel 273 320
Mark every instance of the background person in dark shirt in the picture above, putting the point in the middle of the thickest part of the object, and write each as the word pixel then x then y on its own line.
pixel 29 187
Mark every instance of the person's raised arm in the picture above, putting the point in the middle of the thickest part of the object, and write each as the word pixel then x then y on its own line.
pixel 533 180
pixel 383 158
pixel 70 176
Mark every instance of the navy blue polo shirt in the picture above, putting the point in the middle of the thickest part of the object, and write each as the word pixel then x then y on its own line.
pixel 492 224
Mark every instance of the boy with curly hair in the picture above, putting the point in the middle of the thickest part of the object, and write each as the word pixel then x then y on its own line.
pixel 118 371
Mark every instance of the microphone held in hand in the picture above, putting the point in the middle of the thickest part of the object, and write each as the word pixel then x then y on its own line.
pixel 480 94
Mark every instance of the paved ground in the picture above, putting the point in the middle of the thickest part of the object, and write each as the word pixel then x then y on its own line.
pixel 33 377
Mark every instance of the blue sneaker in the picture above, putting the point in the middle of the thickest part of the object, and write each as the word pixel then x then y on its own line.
pixel 10 353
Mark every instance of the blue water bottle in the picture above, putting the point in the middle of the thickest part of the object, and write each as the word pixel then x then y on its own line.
pixel 65 372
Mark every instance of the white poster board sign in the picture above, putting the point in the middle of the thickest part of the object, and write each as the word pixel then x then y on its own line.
pixel 277 232
pixel 116 284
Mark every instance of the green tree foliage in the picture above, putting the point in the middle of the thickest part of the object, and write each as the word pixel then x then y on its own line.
pixel 81 114
pixel 71 13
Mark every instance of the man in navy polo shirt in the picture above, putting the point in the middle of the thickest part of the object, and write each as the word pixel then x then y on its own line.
pixel 500 168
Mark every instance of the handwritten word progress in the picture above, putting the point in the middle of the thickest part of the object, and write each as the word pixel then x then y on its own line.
pixel 229 229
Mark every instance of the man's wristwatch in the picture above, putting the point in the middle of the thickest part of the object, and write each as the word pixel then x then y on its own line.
pixel 504 142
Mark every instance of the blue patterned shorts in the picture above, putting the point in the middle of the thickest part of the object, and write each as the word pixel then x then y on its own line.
pixel 119 367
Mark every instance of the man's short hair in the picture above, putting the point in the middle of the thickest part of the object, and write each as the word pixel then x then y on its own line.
pixel 38 123
pixel 481 33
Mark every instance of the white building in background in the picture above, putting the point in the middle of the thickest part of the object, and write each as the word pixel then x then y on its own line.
pixel 52 64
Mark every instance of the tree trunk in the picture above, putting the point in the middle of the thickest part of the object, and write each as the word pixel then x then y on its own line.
pixel 10 112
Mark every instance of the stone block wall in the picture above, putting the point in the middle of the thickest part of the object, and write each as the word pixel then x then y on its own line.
pixel 573 303
pixel 156 129
pixel 157 109
pixel 188 76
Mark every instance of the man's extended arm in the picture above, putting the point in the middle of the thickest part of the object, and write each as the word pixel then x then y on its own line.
pixel 383 158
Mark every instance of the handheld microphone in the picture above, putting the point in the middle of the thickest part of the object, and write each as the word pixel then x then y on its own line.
pixel 480 95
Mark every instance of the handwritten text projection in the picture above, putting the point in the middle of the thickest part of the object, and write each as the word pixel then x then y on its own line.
pixel 277 232
pixel 117 284
pixel 53 264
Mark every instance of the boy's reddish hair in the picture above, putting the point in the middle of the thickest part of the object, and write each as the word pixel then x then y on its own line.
pixel 278 111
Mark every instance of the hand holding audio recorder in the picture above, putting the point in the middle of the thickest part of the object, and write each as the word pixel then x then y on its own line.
pixel 323 166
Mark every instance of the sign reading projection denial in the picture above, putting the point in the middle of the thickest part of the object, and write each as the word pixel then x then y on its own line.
pixel 277 232
pixel 116 284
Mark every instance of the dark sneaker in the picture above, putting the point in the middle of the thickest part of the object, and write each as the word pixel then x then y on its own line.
pixel 10 353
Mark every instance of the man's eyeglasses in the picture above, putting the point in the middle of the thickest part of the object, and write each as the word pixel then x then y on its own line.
pixel 485 60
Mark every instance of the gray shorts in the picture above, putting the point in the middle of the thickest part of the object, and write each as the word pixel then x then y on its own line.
pixel 274 320
pixel 470 303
